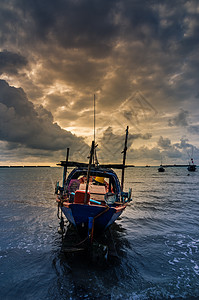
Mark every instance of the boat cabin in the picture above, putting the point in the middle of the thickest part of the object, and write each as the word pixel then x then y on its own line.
pixel 104 187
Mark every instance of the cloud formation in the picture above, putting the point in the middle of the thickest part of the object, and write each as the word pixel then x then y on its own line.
pixel 140 58
pixel 10 62
pixel 23 125
pixel 111 46
pixel 180 119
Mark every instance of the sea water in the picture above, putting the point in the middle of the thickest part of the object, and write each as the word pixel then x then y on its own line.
pixel 157 240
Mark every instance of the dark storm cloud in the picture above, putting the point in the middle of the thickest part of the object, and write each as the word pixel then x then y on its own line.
pixel 73 24
pixel 164 57
pixel 24 126
pixel 145 45
pixel 11 62
pixel 96 25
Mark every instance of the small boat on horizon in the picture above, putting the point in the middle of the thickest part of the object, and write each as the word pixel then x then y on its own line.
pixel 161 168
pixel 191 167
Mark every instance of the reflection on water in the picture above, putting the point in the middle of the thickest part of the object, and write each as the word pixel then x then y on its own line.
pixel 156 240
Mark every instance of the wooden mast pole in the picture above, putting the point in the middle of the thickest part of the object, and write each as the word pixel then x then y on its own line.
pixel 124 159
pixel 89 170
pixel 94 118
pixel 65 167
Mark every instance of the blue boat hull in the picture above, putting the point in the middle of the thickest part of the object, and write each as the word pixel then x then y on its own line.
pixel 79 215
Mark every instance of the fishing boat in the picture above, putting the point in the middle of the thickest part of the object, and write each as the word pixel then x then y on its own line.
pixel 91 197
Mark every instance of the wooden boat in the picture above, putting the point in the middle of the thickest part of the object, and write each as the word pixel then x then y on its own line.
pixel 92 197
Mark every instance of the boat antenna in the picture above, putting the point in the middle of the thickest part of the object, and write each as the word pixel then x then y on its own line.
pixel 124 158
pixel 95 160
pixel 190 156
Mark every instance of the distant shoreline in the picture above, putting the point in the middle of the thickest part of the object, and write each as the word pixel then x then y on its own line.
pixel 127 166
pixel 25 167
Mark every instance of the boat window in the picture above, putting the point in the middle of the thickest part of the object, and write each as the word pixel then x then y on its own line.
pixel 73 185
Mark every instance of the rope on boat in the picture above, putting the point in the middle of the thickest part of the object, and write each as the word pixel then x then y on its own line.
pixel 61 229
pixel 101 213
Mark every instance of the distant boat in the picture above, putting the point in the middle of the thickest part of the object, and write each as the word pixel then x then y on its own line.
pixel 191 167
pixel 147 166
pixel 161 168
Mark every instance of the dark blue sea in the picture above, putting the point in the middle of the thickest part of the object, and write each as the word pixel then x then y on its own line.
pixel 157 240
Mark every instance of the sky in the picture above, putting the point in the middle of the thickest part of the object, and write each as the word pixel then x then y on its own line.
pixel 140 59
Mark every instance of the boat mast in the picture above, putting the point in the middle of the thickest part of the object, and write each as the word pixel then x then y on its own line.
pixel 89 170
pixel 94 128
pixel 65 167
pixel 94 118
pixel 124 158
